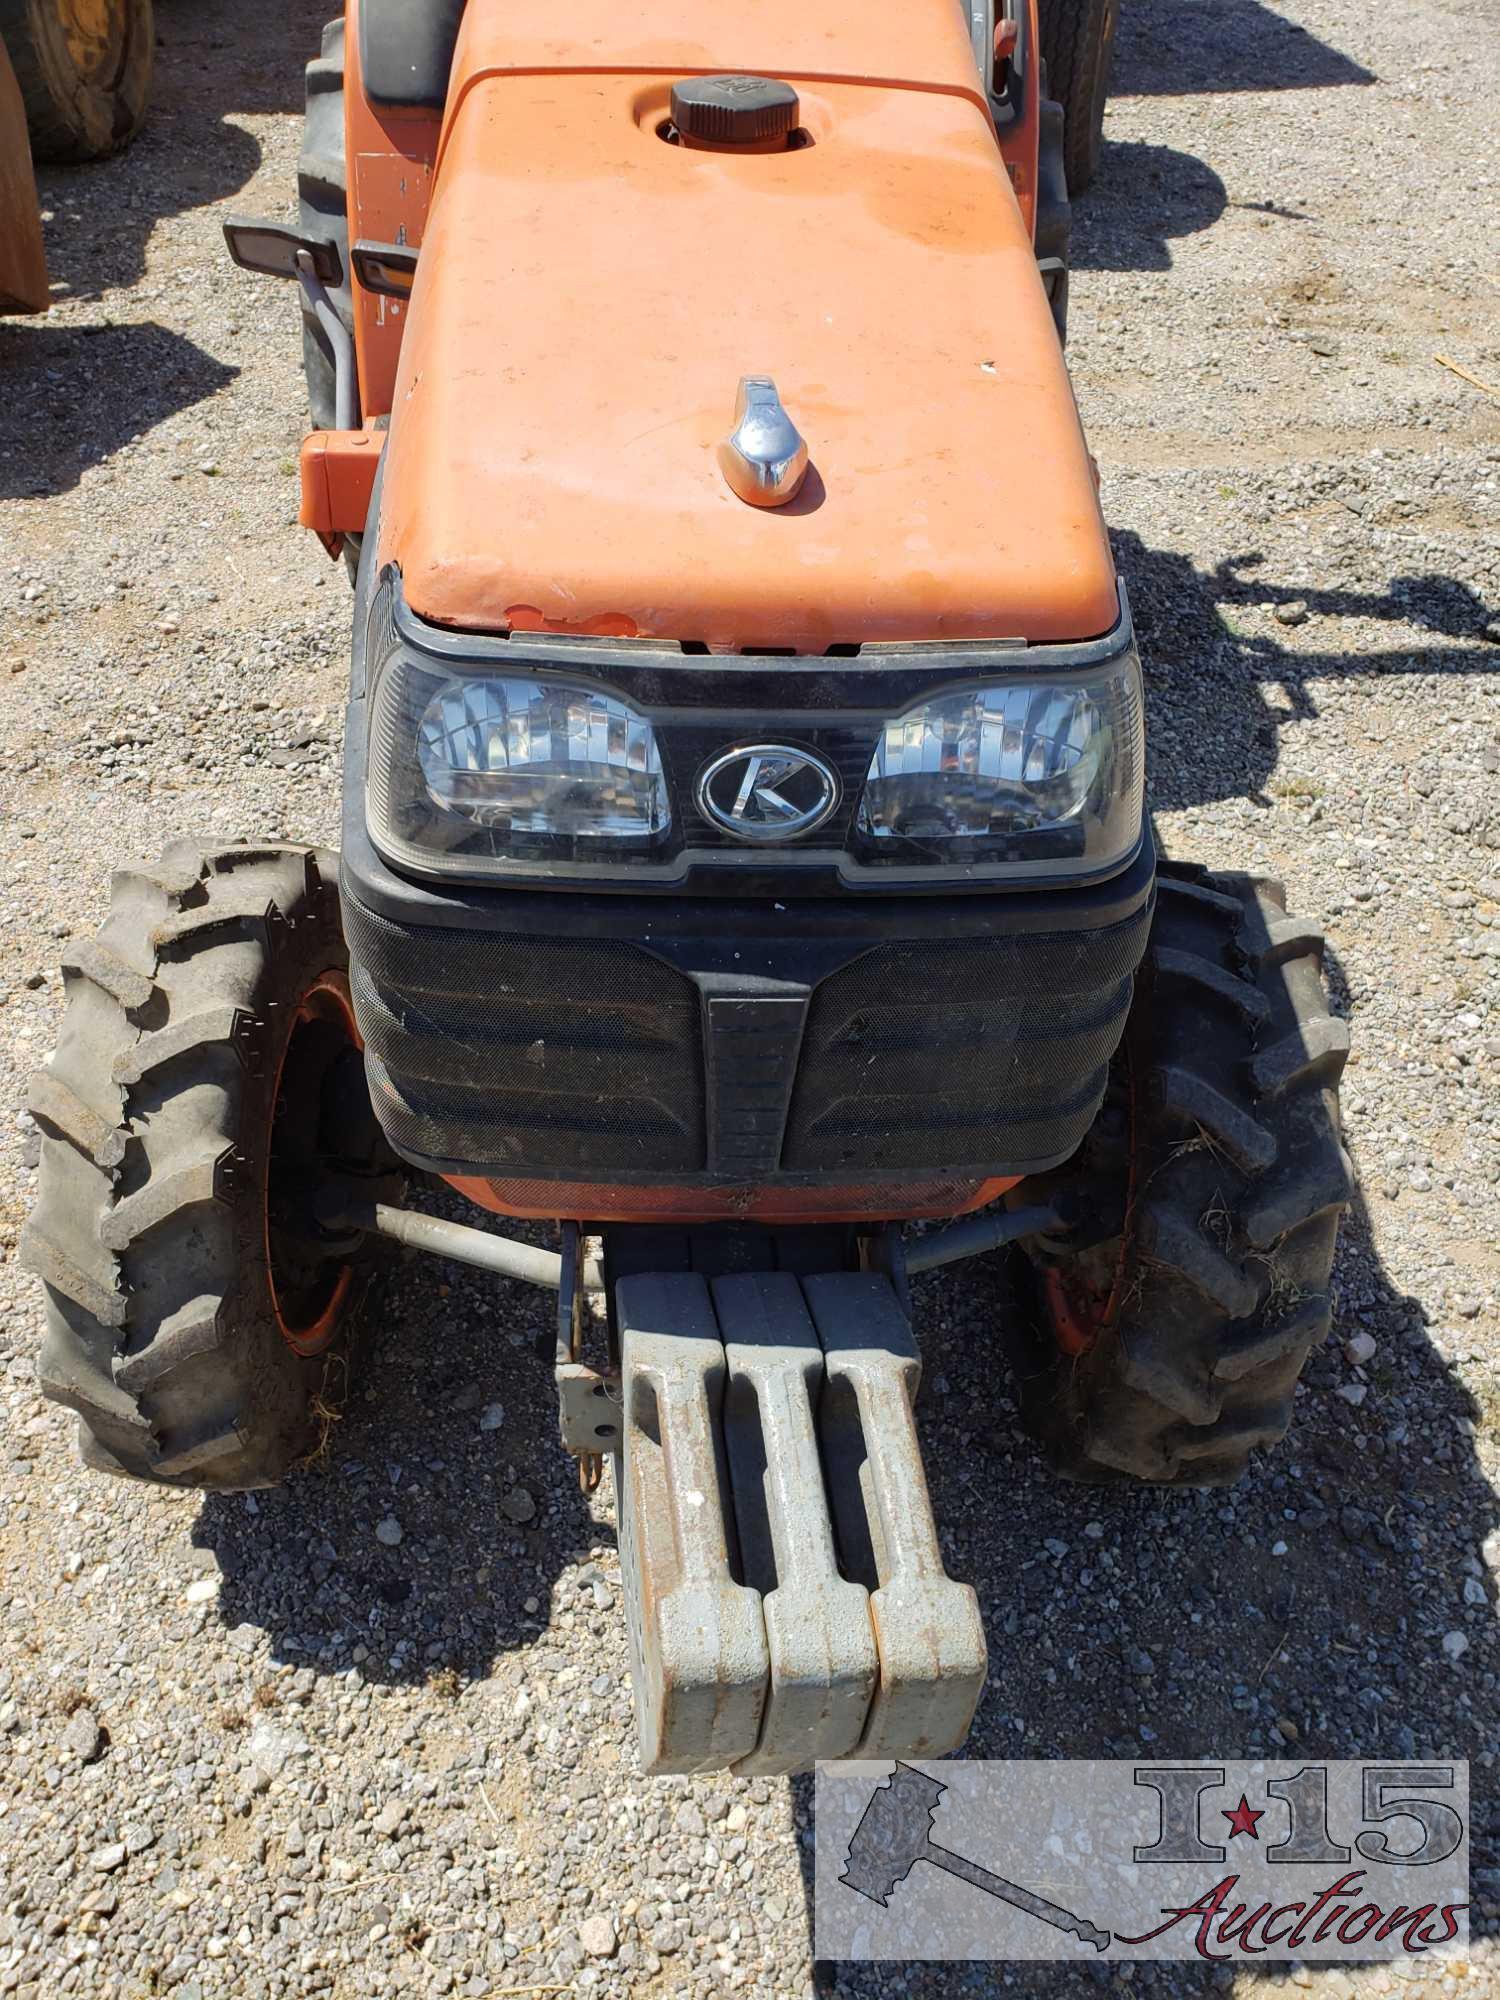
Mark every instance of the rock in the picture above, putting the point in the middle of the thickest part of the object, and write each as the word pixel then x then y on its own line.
pixel 1288 1728
pixel 83 1739
pixel 518 1505
pixel 270 1748
pixel 105 1860
pixel 1094 1530
pixel 491 1417
pixel 390 1819
pixel 1360 1349
pixel 1294 611
pixel 202 1589
pixel 1353 1393
pixel 467 1398
pixel 598 1937
pixel 1474 1591
pixel 388 1531
pixel 1455 1645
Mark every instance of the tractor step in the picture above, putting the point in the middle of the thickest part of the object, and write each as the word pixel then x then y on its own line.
pixel 784 1587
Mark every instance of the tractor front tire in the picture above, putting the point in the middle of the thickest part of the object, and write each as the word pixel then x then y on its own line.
pixel 84 67
pixel 1172 1346
pixel 206 1069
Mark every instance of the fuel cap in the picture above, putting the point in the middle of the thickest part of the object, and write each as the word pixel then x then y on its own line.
pixel 734 110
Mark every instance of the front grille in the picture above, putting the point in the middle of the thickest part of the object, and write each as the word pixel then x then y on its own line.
pixel 987 1053
pixel 557 1056
pixel 538 1058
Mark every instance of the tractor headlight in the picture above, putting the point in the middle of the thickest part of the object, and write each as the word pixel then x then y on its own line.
pixel 467 767
pixel 1039 772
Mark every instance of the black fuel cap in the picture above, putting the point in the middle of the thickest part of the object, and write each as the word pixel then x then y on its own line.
pixel 734 110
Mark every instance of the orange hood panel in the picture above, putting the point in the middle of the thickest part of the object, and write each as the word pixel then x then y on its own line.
pixel 920 44
pixel 589 296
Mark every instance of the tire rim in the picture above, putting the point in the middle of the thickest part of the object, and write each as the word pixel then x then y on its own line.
pixel 308 1292
pixel 95 33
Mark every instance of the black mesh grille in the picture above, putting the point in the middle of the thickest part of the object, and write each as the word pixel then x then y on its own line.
pixel 561 1055
pixel 985 1053
pixel 582 1059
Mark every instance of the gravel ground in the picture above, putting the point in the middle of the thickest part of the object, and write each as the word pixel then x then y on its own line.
pixel 371 1733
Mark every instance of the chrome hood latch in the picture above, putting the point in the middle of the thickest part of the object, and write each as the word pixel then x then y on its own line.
pixel 764 458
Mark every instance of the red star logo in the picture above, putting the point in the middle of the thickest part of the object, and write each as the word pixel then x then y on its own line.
pixel 1242 1819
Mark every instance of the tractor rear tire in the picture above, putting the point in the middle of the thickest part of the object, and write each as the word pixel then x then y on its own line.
pixel 85 73
pixel 323 210
pixel 1172 1347
pixel 1078 38
pixel 206 1040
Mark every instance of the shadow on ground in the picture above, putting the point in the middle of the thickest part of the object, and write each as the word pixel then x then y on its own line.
pixel 214 63
pixel 74 396
pixel 420 1441
pixel 1202 655
pixel 1148 197
pixel 1176 48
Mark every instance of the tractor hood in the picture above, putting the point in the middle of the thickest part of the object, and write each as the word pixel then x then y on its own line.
pixel 590 294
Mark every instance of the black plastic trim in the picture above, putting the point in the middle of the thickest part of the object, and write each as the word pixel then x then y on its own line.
pixel 406 51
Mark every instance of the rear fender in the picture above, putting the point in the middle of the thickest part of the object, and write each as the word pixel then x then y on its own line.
pixel 389 151
pixel 1017 110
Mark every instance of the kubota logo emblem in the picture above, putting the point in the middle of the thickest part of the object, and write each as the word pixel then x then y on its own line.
pixel 767 792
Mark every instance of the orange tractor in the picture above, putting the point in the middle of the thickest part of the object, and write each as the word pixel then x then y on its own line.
pixel 745 856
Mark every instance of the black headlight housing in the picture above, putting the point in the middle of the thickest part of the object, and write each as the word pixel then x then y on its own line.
pixel 606 763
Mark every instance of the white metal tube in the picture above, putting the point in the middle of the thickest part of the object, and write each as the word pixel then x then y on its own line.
pixel 500 1254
